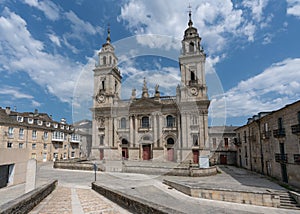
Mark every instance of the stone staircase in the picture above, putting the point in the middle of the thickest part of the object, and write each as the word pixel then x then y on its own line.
pixel 287 201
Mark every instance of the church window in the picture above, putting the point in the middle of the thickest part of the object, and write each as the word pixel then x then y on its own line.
pixel 170 141
pixel 110 60
pixel 123 123
pixel 214 143
pixel 195 139
pixel 103 84
pixel 145 122
pixel 191 47
pixel 116 86
pixel 193 76
pixel 101 139
pixel 124 142
pixel 170 121
pixel 104 60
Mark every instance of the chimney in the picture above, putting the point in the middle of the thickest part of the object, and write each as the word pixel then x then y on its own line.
pixel 7 110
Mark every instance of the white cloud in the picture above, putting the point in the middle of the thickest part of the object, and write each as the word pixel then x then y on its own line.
pixel 258 93
pixel 219 22
pixel 50 9
pixel 54 39
pixel 22 52
pixel 256 7
pixel 14 93
pixel 35 103
pixel 293 8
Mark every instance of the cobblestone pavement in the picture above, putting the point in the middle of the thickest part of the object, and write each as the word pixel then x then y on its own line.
pixel 66 200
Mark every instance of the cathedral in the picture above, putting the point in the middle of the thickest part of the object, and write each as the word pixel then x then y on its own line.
pixel 162 128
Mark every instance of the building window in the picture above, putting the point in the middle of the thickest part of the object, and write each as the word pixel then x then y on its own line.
pixel 280 123
pixel 48 124
pixel 21 145
pixel 245 137
pixel 170 141
pixel 34 146
pixel 123 123
pixel 45 145
pixel 45 135
pixel 195 140
pixel 65 155
pixel 72 154
pixel 246 152
pixel 57 135
pixel 30 120
pixel 9 145
pixel 191 47
pixel 298 114
pixel 34 134
pixel 193 76
pixel 214 143
pixel 65 146
pixel 226 142
pixel 19 118
pixel 104 60
pixel 101 138
pixel 10 132
pixel 170 121
pixel 266 127
pixel 103 84
pixel 145 122
pixel 21 133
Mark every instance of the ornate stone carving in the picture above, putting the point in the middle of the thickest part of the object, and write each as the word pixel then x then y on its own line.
pixel 100 122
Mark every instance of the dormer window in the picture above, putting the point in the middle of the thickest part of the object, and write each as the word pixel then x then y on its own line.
pixel 67 127
pixel 20 119
pixel 55 125
pixel 48 124
pixel 39 122
pixel 30 120
pixel 62 126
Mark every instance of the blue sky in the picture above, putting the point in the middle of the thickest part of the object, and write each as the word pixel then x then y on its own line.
pixel 48 50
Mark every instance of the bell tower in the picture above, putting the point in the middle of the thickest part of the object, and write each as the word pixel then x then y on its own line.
pixel 192 97
pixel 192 65
pixel 107 77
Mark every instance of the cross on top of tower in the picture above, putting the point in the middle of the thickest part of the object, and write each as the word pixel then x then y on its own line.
pixel 190 24
pixel 108 33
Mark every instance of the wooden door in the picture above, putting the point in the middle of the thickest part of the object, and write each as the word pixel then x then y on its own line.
pixel 170 152
pixel 124 153
pixel 101 154
pixel 196 156
pixel 223 159
pixel 146 152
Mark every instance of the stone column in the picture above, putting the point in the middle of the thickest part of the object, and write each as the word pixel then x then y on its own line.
pixel 131 134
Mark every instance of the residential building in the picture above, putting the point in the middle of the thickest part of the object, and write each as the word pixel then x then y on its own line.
pixel 44 138
pixel 270 144
pixel 165 128
pixel 222 144
pixel 83 128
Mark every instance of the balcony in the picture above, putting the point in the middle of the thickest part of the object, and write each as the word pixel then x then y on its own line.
pixel 266 135
pixel 281 158
pixel 278 133
pixel 297 158
pixel 296 129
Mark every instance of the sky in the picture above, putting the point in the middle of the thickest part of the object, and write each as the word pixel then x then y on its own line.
pixel 48 50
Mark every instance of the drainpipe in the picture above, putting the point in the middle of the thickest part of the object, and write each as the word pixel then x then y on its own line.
pixel 250 154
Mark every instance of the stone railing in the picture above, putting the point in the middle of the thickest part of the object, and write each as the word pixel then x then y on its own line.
pixel 28 201
pixel 131 203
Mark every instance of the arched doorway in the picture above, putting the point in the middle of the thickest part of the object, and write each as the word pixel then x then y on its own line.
pixel 125 149
pixel 170 149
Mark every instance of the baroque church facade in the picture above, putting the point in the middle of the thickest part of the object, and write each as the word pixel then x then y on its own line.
pixel 163 128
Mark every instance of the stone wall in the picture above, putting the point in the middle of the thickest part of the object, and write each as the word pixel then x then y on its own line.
pixel 76 165
pixel 131 203
pixel 28 201
pixel 242 197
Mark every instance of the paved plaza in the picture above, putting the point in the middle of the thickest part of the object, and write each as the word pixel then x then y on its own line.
pixel 74 195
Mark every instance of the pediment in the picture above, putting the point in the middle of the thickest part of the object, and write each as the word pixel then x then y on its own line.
pixel 145 103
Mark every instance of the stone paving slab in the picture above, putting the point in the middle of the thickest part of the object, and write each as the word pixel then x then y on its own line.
pixel 68 200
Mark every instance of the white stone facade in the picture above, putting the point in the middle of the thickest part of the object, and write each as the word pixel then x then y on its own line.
pixel 165 128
